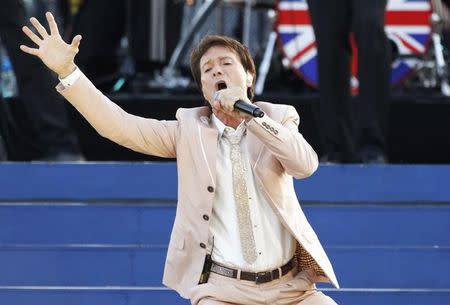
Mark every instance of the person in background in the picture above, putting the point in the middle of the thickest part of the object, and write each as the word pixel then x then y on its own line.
pixel 53 137
pixel 151 29
pixel 240 236
pixel 352 134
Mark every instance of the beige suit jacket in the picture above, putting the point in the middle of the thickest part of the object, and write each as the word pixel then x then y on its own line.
pixel 278 153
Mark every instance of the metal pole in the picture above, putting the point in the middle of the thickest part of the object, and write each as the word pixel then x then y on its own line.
pixel 246 23
pixel 265 63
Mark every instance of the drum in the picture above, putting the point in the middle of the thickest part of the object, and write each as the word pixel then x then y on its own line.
pixel 407 25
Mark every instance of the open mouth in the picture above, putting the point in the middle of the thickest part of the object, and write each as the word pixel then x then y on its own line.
pixel 221 85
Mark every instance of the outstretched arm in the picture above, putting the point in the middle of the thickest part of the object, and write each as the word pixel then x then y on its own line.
pixel 57 55
pixel 148 136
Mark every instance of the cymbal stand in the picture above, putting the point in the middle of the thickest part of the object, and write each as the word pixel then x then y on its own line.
pixel 439 60
pixel 170 77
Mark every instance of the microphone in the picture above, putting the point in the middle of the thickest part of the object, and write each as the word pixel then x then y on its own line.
pixel 249 109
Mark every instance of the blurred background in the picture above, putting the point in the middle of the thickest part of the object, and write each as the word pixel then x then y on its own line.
pixel 136 52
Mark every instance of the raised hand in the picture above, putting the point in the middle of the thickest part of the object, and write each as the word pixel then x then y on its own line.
pixel 57 55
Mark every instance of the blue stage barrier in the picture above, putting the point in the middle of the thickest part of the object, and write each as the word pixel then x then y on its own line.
pixel 157 181
pixel 150 224
pixel 97 233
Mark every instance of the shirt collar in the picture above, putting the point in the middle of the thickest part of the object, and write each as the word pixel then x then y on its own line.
pixel 221 126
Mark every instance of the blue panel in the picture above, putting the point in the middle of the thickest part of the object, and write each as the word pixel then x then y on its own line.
pixel 91 181
pixel 161 297
pixel 377 183
pixel 381 225
pixel 83 267
pixel 364 225
pixel 94 297
pixel 165 297
pixel 154 181
pixel 27 297
pixel 355 267
pixel 390 298
pixel 390 267
pixel 86 224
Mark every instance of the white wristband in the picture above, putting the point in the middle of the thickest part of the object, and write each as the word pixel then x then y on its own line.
pixel 70 79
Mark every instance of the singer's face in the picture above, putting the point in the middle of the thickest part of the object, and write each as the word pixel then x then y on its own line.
pixel 221 68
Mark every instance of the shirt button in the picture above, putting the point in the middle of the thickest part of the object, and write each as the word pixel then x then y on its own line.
pixel 205 217
pixel 202 245
pixel 210 189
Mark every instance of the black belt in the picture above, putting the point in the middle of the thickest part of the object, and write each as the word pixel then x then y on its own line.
pixel 257 277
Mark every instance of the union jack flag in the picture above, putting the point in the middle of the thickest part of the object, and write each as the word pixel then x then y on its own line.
pixel 407 25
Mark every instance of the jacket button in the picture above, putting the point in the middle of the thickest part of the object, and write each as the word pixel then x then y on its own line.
pixel 202 245
pixel 210 189
pixel 206 217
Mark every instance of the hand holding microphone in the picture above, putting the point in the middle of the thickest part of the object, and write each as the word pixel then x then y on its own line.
pixel 239 104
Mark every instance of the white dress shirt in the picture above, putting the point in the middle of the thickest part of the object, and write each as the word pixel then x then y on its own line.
pixel 275 246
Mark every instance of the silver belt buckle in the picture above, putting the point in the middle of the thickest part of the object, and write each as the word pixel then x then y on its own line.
pixel 261 277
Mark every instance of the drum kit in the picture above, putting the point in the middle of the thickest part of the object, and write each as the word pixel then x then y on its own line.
pixel 414 28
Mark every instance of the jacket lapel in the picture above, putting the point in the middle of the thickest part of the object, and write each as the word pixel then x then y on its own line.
pixel 208 141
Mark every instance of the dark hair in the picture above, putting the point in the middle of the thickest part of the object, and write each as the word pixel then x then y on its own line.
pixel 217 40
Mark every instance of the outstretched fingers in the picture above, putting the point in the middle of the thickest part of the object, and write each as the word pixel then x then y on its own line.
pixel 35 38
pixel 52 24
pixel 38 26
pixel 29 50
pixel 76 41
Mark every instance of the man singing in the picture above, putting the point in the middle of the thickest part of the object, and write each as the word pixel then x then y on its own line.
pixel 239 236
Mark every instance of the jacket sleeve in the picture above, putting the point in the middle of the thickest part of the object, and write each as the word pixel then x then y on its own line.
pixel 148 136
pixel 286 143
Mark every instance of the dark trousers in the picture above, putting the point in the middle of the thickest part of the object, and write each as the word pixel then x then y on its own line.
pixel 101 23
pixel 44 107
pixel 98 56
pixel 348 131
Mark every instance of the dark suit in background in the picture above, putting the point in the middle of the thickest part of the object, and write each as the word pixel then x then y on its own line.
pixel 52 137
pixel 152 29
pixel 348 136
